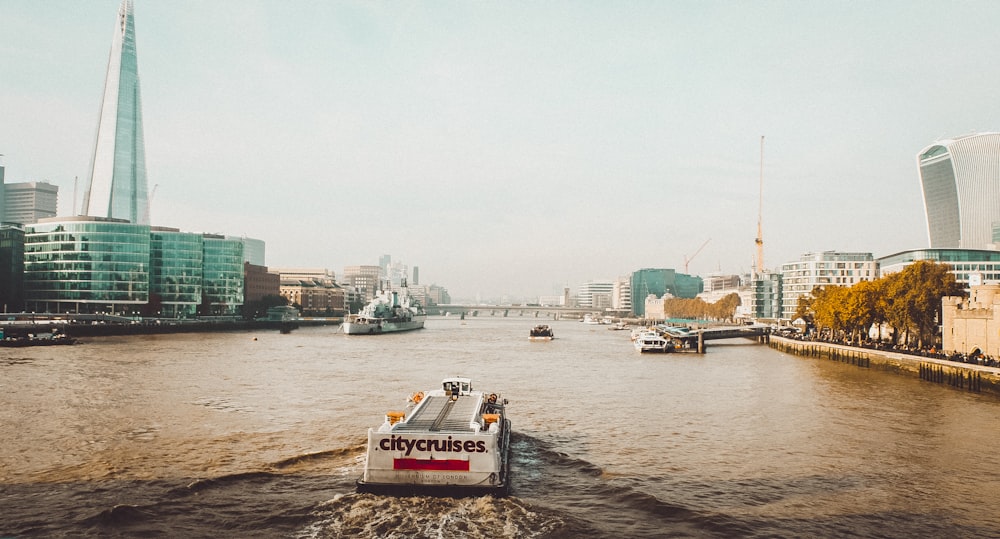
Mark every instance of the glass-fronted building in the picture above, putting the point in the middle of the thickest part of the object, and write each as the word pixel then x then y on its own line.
pixel 11 268
pixel 960 189
pixel 175 272
pixel 657 282
pixel 765 296
pixel 86 265
pixel 94 265
pixel 963 262
pixel 222 275
pixel 117 186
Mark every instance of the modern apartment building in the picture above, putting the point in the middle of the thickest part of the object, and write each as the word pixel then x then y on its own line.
pixel 960 179
pixel 822 269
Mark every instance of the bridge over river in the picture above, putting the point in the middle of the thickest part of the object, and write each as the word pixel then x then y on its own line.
pixel 528 311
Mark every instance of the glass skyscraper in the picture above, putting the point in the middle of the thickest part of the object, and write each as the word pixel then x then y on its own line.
pixel 117 187
pixel 961 185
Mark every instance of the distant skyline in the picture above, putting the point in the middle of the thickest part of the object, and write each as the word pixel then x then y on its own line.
pixel 514 148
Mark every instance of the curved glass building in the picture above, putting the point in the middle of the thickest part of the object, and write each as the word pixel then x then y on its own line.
pixel 86 265
pixel 960 178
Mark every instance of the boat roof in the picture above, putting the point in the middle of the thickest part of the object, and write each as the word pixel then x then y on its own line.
pixel 442 413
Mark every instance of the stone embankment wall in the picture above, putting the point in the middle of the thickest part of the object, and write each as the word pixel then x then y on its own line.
pixel 963 376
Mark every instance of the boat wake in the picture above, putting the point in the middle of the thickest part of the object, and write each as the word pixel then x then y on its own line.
pixel 368 515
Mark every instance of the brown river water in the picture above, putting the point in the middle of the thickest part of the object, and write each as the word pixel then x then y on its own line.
pixel 258 434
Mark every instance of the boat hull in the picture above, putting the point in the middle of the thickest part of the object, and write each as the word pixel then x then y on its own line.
pixel 379 326
pixel 430 477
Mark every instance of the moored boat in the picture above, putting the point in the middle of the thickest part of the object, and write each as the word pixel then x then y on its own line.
pixel 541 332
pixel 650 341
pixel 449 441
pixel 390 311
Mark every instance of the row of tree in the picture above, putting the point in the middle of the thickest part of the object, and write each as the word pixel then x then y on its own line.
pixel 698 309
pixel 908 302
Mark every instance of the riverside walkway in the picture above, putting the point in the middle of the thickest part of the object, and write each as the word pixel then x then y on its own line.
pixel 966 376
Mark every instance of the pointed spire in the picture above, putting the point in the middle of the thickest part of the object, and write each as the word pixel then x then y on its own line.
pixel 117 186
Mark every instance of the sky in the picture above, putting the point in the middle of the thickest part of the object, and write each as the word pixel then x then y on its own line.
pixel 515 148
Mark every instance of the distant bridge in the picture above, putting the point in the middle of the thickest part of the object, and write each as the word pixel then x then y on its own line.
pixel 532 311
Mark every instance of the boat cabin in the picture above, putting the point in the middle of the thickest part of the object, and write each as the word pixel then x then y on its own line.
pixel 457 386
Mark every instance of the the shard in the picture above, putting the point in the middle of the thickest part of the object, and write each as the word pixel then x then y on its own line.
pixel 117 186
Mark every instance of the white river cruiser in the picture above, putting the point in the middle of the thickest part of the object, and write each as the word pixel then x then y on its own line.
pixel 651 341
pixel 451 441
pixel 390 311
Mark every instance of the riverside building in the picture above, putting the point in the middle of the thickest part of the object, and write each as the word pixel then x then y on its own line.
pixel 822 269
pixel 101 265
pixel 657 282
pixel 959 180
pixel 595 294
pixel 967 265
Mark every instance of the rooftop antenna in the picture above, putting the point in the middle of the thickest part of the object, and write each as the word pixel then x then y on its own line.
pixel 760 213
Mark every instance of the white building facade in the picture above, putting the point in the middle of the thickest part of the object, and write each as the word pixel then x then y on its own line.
pixel 822 269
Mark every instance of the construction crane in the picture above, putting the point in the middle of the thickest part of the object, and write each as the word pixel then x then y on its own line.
pixel 688 259
pixel 760 214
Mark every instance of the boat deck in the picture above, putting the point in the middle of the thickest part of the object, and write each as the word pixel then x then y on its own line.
pixel 441 414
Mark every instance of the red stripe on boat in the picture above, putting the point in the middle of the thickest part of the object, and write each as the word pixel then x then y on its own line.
pixel 418 464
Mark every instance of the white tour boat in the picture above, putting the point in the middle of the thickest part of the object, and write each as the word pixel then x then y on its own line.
pixel 450 441
pixel 390 311
pixel 651 341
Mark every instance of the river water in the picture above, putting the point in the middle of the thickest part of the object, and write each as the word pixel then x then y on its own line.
pixel 258 434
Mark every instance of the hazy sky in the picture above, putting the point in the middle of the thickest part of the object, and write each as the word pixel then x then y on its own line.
pixel 515 147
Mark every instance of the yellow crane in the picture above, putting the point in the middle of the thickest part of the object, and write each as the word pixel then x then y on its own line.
pixel 760 214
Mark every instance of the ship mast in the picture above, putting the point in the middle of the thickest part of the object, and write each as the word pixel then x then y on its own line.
pixel 760 213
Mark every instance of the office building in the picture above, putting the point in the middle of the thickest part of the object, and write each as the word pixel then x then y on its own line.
pixel 222 276
pixel 26 202
pixel 117 187
pixel 595 294
pixel 175 274
pixel 960 178
pixel 657 282
pixel 11 268
pixel 966 264
pixel 364 279
pixel 253 249
pixel 100 265
pixel 86 265
pixel 3 219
